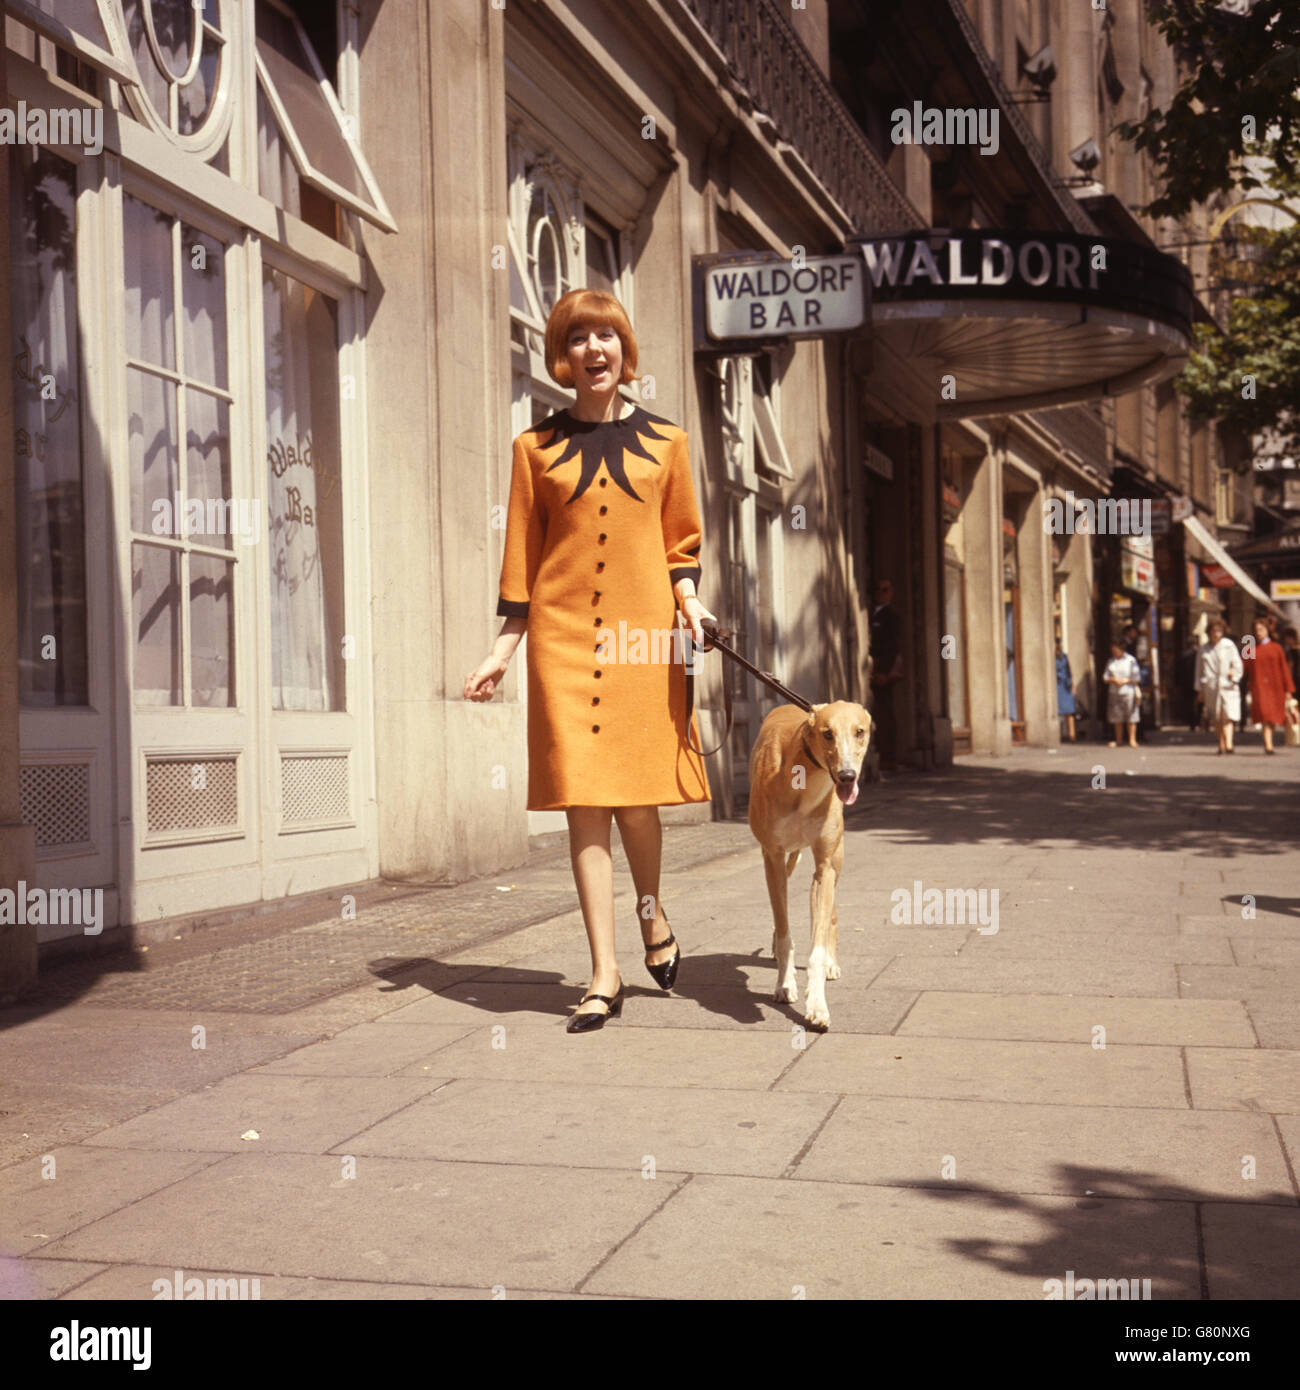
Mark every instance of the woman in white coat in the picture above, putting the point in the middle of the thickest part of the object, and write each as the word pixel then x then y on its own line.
pixel 1218 679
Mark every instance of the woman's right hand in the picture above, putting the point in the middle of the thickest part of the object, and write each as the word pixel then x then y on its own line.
pixel 482 682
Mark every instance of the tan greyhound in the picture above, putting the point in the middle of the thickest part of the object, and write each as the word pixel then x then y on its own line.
pixel 803 771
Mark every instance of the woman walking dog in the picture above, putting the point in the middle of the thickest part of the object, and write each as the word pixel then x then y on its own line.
pixel 602 546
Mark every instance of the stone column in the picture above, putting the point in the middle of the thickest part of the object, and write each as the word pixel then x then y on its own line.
pixel 17 841
pixel 1038 650
pixel 986 646
pixel 450 773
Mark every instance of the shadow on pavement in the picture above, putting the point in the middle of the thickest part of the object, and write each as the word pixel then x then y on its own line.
pixel 1215 816
pixel 1069 1244
pixel 725 991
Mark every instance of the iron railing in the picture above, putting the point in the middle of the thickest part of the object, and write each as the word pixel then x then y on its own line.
pixel 769 72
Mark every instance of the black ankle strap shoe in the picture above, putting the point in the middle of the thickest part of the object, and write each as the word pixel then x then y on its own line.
pixel 585 1023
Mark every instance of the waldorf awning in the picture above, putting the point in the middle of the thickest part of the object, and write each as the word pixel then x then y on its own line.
pixel 1222 557
pixel 1007 321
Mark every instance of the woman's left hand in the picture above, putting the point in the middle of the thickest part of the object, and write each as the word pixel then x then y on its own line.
pixel 693 611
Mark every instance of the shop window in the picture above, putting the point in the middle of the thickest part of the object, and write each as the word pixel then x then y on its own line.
pixel 48 467
pixel 183 516
pixel 305 521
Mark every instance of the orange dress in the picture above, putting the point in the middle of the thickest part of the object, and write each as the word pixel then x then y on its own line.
pixel 602 522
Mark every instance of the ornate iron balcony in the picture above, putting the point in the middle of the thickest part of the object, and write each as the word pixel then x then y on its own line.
pixel 770 73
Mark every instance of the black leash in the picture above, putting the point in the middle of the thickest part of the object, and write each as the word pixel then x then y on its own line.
pixel 714 635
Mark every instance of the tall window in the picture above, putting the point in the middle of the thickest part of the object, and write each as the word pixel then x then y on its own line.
pixel 52 662
pixel 556 243
pixel 305 516
pixel 182 517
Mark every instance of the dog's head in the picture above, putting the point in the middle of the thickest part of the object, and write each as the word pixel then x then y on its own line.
pixel 837 735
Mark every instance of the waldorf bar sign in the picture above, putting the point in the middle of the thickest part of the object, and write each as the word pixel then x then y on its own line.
pixel 747 297
pixel 1017 320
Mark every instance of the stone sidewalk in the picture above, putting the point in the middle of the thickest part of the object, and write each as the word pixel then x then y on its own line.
pixel 1108 1084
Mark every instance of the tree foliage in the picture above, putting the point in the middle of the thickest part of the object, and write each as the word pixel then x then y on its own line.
pixel 1240 96
pixel 1233 127
pixel 1247 372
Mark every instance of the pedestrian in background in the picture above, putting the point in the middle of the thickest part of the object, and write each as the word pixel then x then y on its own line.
pixel 1065 690
pixel 1269 682
pixel 1218 678
pixel 1121 678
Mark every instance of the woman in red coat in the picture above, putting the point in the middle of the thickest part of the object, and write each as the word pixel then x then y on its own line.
pixel 1270 682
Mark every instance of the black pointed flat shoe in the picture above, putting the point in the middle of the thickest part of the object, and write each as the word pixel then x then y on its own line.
pixel 586 1023
pixel 666 973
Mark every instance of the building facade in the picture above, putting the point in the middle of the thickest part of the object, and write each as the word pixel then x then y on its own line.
pixel 275 328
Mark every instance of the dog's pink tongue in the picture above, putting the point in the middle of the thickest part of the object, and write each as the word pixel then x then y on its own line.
pixel 847 797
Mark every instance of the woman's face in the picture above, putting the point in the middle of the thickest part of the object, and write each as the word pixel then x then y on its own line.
pixel 1261 630
pixel 595 356
pixel 1216 631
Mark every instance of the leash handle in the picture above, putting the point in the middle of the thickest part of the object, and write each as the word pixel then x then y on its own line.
pixel 714 634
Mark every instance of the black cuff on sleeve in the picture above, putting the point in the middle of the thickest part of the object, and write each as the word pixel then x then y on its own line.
pixel 694 574
pixel 509 608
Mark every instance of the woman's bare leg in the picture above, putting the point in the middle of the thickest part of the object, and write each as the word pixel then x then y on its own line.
pixel 1268 736
pixel 593 872
pixel 1225 734
pixel 643 840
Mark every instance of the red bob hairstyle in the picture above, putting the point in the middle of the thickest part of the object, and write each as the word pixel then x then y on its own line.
pixel 587 308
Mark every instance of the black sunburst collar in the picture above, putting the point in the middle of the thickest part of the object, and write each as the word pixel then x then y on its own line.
pixel 602 441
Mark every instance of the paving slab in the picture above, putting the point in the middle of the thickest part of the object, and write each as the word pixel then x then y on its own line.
pixel 1238 982
pixel 1026 1072
pixel 681 1129
pixel 1245 1079
pixel 1058 1018
pixel 87 1184
pixel 756 1238
pixel 613 1055
pixel 988 974
pixel 158 1056
pixel 398 1221
pixel 1274 951
pixel 540 999
pixel 1233 924
pixel 1276 1022
pixel 869 942
pixel 30 1280
pixel 1066 1149
pixel 1250 1252
pixel 367 1049
pixel 302 1114
pixel 136 1282
pixel 857 1009
pixel 36 1116
pixel 1169 948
